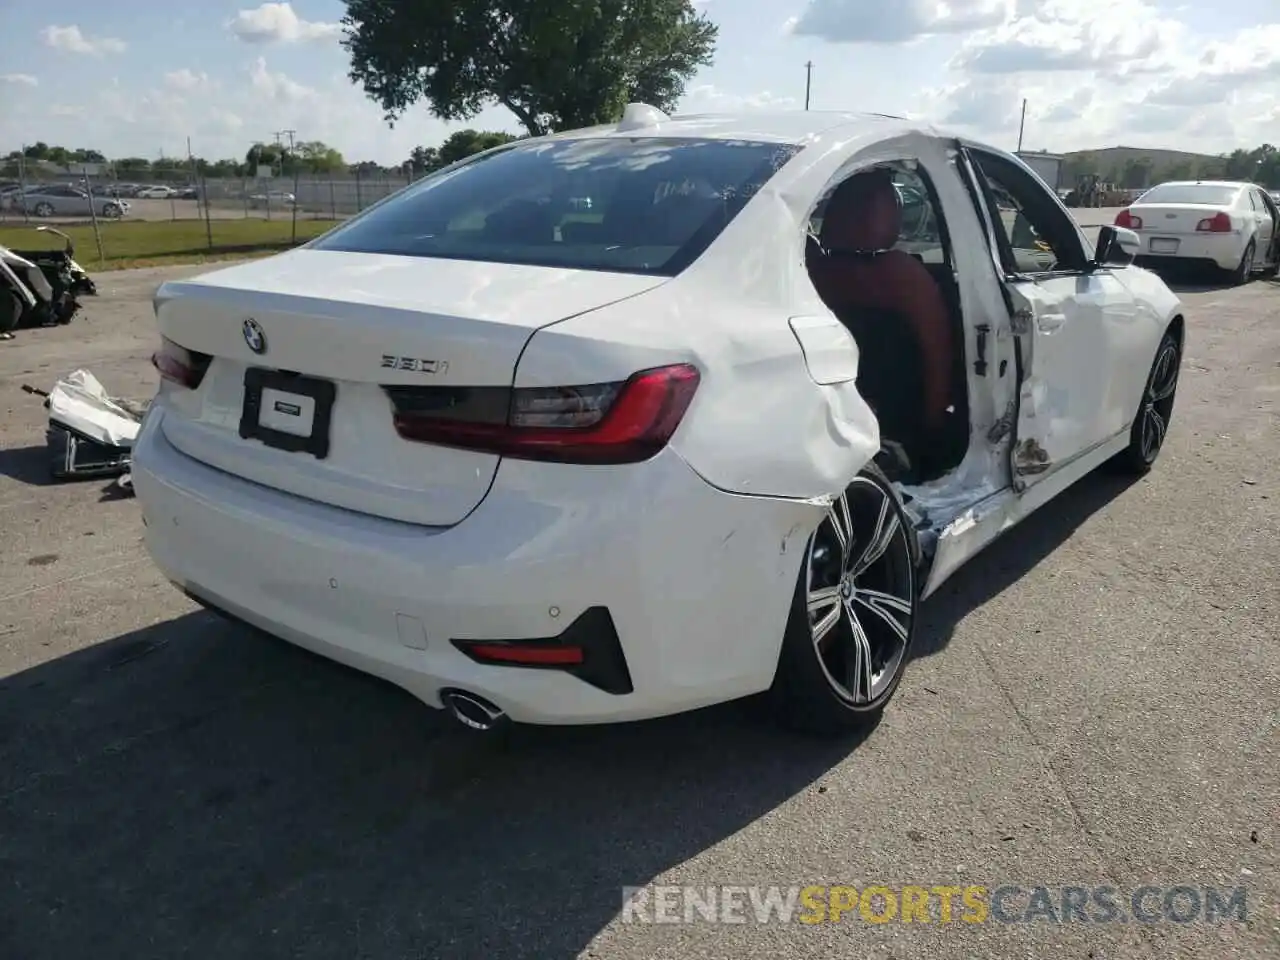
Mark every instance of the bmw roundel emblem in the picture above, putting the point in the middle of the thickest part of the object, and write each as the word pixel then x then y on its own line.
pixel 254 335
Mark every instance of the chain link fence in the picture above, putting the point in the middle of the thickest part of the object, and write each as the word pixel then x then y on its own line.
pixel 185 214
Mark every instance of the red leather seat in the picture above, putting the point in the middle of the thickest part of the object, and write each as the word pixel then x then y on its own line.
pixel 859 271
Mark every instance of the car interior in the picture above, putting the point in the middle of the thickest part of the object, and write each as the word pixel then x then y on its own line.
pixel 879 257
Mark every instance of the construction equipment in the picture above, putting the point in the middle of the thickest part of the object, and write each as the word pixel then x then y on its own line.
pixel 1092 191
pixel 1086 192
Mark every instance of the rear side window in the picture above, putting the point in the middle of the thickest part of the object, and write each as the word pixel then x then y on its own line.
pixel 921 231
pixel 1205 193
pixel 644 205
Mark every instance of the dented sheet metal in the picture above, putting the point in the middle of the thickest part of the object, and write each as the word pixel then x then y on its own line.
pixel 90 434
pixel 80 402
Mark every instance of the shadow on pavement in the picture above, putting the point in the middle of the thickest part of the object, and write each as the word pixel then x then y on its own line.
pixel 1012 557
pixel 198 790
pixel 28 465
pixel 1190 278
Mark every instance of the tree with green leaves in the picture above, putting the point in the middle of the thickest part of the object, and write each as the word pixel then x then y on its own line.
pixel 315 156
pixel 555 64
pixel 457 146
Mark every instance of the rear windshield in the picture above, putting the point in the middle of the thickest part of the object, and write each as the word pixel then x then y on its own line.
pixel 645 205
pixel 1206 193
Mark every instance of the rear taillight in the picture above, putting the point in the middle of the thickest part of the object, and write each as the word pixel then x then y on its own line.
pixel 602 423
pixel 179 365
pixel 1218 223
pixel 1126 219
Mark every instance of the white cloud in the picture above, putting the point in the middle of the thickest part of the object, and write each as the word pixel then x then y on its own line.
pixel 277 23
pixel 1129 72
pixel 71 40
pixel 186 81
pixel 707 98
pixel 19 79
pixel 895 21
pixel 277 86
pixel 1069 35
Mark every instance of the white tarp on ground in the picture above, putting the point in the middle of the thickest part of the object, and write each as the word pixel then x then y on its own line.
pixel 80 402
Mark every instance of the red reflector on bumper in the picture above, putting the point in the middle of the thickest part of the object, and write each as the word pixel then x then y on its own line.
pixel 532 655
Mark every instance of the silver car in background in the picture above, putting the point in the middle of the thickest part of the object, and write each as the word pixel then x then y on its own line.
pixel 64 200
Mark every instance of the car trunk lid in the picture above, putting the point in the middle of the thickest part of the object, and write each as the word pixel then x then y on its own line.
pixel 1171 219
pixel 311 336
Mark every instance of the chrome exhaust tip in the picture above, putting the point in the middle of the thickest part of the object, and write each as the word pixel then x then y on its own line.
pixel 472 711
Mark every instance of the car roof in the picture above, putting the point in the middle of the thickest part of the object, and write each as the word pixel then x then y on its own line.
pixel 794 126
pixel 1235 184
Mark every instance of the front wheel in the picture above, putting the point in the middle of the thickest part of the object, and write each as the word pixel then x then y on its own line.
pixel 853 613
pixel 1151 425
pixel 12 307
pixel 112 211
pixel 43 210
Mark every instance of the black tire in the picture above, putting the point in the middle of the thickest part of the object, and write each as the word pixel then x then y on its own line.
pixel 874 605
pixel 12 307
pixel 1243 273
pixel 43 210
pixel 112 211
pixel 1155 412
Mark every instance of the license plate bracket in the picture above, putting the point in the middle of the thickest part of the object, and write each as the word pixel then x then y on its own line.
pixel 1164 245
pixel 316 395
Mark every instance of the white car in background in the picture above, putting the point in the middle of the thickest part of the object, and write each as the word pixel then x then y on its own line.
pixel 154 193
pixel 272 198
pixel 1229 226
pixel 719 436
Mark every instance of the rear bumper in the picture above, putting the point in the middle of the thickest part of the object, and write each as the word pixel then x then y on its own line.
pixel 1222 251
pixel 697 583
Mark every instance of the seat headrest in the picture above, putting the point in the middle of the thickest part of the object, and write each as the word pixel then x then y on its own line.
pixel 863 214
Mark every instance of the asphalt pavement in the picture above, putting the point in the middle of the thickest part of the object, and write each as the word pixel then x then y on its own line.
pixel 1094 702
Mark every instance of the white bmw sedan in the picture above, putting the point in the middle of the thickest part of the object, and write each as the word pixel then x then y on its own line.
pixel 717 433
pixel 1228 226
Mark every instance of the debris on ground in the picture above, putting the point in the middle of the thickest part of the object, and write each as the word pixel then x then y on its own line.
pixel 90 434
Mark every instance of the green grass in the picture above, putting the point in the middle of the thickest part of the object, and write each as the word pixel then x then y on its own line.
pixel 166 243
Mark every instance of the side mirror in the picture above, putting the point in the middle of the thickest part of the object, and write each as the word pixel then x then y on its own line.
pixel 1117 247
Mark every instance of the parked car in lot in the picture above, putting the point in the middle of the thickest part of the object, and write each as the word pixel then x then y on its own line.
pixel 723 437
pixel 1226 225
pixel 154 193
pixel 272 198
pixel 64 200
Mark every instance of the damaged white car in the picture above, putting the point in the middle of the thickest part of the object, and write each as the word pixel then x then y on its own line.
pixel 41 287
pixel 720 434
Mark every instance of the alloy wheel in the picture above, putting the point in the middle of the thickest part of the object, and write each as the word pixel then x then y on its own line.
pixel 860 593
pixel 1157 403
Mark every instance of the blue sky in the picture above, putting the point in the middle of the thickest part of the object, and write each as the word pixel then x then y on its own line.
pixel 122 79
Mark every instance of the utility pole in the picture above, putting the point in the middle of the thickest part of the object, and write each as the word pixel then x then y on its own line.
pixel 280 144
pixel 1022 124
pixel 808 82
